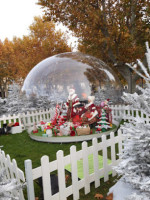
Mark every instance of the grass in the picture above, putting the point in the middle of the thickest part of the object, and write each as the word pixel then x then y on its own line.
pixel 21 147
pixel 102 189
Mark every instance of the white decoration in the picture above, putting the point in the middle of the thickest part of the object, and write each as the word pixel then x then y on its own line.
pixel 16 129
pixel 9 189
pixel 65 130
pixel 49 132
pixel 135 165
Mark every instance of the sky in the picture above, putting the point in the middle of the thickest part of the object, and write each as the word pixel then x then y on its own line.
pixel 17 15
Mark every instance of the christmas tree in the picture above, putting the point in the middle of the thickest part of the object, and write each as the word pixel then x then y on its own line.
pixel 135 165
pixel 103 123
pixel 2 106
pixel 17 102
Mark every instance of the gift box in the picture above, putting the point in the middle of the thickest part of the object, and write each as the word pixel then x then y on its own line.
pixel 44 135
pixel 16 129
pixel 83 130
pixel 36 131
pixel 42 126
pixel 49 132
pixel 65 130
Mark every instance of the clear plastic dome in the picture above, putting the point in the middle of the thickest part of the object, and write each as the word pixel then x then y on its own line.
pixel 54 76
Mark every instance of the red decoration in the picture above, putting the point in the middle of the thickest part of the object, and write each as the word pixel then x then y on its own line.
pixel 77 119
pixel 35 131
pixel 16 124
pixel 42 123
pixel 78 114
pixel 55 133
pixel 98 129
pixel 72 133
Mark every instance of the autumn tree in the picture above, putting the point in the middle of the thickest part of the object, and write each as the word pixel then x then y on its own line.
pixel 43 41
pixel 7 68
pixel 112 30
pixel 19 56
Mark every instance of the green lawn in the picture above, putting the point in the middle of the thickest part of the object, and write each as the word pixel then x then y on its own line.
pixel 21 147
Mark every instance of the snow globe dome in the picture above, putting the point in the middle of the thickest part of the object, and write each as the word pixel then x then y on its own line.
pixel 54 76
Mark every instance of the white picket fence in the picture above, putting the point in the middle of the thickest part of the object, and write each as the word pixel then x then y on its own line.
pixel 31 117
pixel 28 119
pixel 12 171
pixel 46 168
pixel 59 164
pixel 10 118
pixel 127 113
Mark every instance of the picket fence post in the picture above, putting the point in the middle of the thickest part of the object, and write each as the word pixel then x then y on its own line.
pixel 113 154
pixel 74 171
pixel 61 175
pixel 29 180
pixel 96 163
pixel 10 166
pixel 120 142
pixel 105 164
pixel 86 168
pixel 46 177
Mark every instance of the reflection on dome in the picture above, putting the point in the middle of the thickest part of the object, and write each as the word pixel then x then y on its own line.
pixel 54 76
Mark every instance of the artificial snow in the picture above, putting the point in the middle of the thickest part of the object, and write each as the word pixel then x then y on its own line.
pixel 122 190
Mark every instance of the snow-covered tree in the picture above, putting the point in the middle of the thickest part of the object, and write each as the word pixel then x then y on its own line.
pixel 17 102
pixel 135 165
pixel 9 189
pixel 2 106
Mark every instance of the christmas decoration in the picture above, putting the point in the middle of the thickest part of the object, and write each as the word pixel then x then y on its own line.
pixel 9 189
pixel 98 128
pixel 83 130
pixel 35 129
pixel 72 101
pixel 75 118
pixel 49 131
pixel 90 112
pixel 135 165
pixel 103 123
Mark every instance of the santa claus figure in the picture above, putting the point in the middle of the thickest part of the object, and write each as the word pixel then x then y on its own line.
pixel 71 103
pixel 90 115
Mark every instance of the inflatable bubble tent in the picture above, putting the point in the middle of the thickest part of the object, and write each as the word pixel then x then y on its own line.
pixel 54 76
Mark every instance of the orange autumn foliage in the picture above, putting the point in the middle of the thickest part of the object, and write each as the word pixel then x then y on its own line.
pixel 114 31
pixel 99 196
pixel 19 56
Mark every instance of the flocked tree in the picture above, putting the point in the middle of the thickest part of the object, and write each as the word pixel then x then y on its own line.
pixel 17 102
pixel 9 189
pixel 135 165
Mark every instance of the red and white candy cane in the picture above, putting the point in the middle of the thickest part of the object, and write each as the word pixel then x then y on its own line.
pixel 57 111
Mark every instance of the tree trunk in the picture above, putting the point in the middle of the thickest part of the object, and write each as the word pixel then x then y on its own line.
pixel 128 75
pixel 130 82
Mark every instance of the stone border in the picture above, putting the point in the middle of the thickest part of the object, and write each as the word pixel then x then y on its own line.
pixel 69 139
